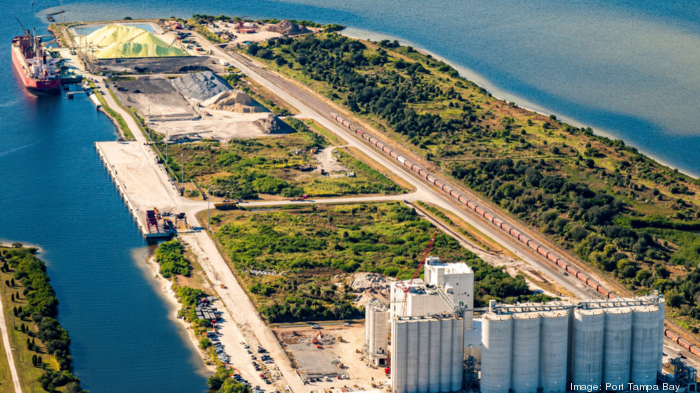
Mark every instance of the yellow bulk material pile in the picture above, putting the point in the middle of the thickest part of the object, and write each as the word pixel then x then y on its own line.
pixel 121 50
pixel 119 41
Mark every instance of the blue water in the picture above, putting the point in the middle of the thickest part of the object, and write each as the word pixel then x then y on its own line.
pixel 90 29
pixel 628 69
pixel 56 193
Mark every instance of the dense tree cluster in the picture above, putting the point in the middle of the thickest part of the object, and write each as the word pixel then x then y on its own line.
pixel 170 256
pixel 385 92
pixel 41 309
pixel 222 383
pixel 626 215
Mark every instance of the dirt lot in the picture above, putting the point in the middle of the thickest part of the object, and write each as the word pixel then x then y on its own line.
pixel 221 125
pixel 314 362
pixel 157 97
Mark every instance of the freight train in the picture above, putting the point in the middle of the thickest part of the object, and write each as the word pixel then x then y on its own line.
pixel 493 219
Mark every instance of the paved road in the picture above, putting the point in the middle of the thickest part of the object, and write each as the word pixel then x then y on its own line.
pixel 317 110
pixel 8 350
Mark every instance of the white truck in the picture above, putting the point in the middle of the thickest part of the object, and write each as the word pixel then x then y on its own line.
pixel 223 62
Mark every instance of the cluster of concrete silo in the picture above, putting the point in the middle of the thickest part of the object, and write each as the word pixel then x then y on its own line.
pixel 559 347
pixel 427 354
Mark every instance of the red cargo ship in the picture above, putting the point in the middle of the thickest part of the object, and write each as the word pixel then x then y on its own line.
pixel 34 65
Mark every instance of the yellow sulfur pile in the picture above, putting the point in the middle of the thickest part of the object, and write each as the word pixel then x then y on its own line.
pixel 117 41
pixel 120 50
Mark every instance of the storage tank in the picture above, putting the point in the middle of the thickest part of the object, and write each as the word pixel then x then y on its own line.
pixel 399 336
pixel 645 345
pixel 662 317
pixel 526 353
pixel 618 347
pixel 457 354
pixel 553 351
pixel 369 332
pixel 381 326
pixel 412 357
pixel 589 333
pixel 446 355
pixel 434 373
pixel 423 354
pixel 496 353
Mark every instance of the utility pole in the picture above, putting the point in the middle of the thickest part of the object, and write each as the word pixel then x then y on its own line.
pixel 182 174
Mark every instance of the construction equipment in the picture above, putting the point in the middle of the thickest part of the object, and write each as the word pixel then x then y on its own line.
pixel 406 288
pixel 319 347
pixel 315 340
pixel 340 339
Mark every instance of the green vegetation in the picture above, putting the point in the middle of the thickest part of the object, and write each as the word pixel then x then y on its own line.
pixel 597 197
pixel 31 302
pixel 203 30
pixel 126 132
pixel 308 245
pixel 248 168
pixel 222 383
pixel 170 256
pixel 189 285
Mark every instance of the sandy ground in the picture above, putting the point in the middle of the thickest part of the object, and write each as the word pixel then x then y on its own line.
pixel 327 161
pixel 231 334
pixel 167 288
pixel 221 125
pixel 354 366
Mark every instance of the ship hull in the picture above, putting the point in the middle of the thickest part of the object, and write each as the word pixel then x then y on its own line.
pixel 36 85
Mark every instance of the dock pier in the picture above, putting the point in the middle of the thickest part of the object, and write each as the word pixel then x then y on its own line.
pixel 139 187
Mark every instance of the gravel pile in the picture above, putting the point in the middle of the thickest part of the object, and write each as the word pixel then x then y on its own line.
pixel 234 101
pixel 273 125
pixel 363 281
pixel 201 86
pixel 288 28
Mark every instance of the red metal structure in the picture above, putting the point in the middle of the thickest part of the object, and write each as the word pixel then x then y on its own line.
pixel 406 288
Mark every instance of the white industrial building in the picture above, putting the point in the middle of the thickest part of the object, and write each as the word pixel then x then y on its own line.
pixel 377 328
pixel 523 348
pixel 431 325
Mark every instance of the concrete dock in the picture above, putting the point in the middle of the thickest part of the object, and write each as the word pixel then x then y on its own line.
pixel 143 190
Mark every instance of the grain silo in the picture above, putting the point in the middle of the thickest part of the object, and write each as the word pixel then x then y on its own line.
pixel 457 354
pixel 553 351
pixel 618 346
pixel 645 345
pixel 446 355
pixel 434 367
pixel 662 316
pixel 423 355
pixel 377 326
pixel 412 356
pixel 496 353
pixel 526 352
pixel 399 350
pixel 589 332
